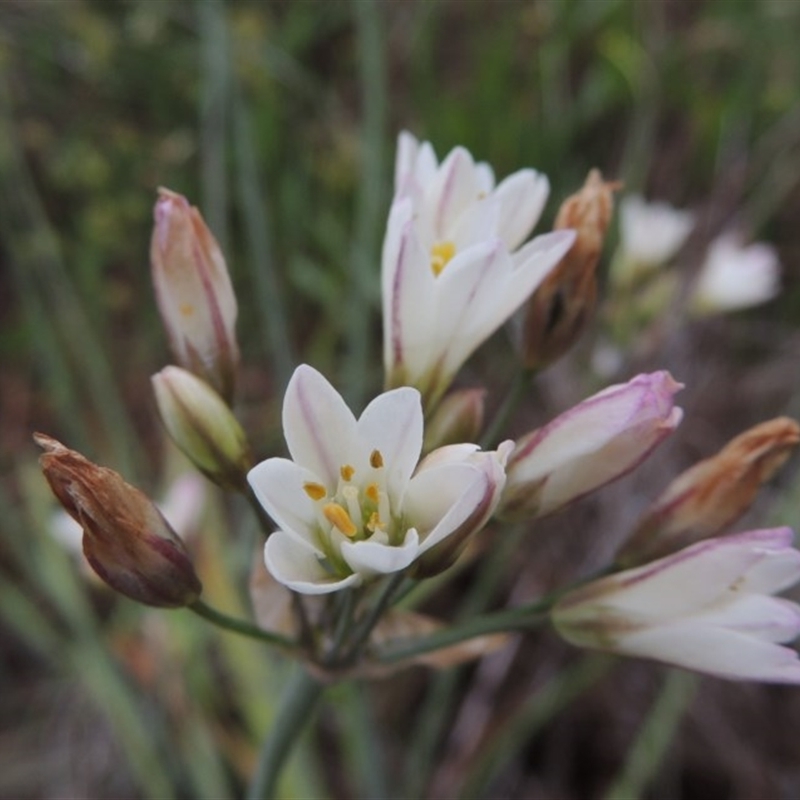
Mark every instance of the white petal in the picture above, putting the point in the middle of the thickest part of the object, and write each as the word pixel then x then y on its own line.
pixel 449 454
pixel 441 498
pixel 409 296
pixel 392 423
pixel 370 558
pixel 298 567
pixel 682 583
pixel 320 429
pixel 529 267
pixel 278 484
pixel 452 191
pixel 484 177
pixel 522 196
pixel 772 619
pixel 716 651
pixel 468 290
pixel 775 572
pixel 405 160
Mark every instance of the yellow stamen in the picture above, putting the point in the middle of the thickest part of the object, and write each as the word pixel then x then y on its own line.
pixel 376 459
pixel 340 519
pixel 374 522
pixel 347 472
pixel 187 309
pixel 441 253
pixel 316 491
pixel 372 492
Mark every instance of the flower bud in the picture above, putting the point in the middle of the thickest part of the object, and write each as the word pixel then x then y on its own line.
pixel 194 292
pixel 592 444
pixel 557 312
pixel 458 418
pixel 708 607
pixel 714 493
pixel 126 540
pixel 202 425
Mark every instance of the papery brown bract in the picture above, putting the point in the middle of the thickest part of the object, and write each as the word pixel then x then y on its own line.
pixel 559 309
pixel 708 497
pixel 126 540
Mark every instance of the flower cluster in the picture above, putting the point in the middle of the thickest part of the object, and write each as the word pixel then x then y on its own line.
pixel 375 495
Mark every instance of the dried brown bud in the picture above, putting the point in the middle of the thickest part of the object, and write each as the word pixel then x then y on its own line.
pixel 706 499
pixel 126 540
pixel 559 309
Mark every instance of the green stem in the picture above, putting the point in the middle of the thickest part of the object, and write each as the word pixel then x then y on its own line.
pixel 299 699
pixel 515 619
pixel 550 699
pixel 516 392
pixel 655 736
pixel 371 619
pixel 241 626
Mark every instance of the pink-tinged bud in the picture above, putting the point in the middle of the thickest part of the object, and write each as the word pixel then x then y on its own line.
pixel 558 311
pixel 592 444
pixel 126 540
pixel 194 292
pixel 458 418
pixel 713 494
pixel 708 607
pixel 202 425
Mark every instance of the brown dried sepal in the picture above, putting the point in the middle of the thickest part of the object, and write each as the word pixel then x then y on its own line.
pixel 714 493
pixel 126 540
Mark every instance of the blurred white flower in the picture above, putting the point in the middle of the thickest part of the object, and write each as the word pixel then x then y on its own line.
pixel 592 444
pixel 352 503
pixel 650 234
pixel 453 270
pixel 706 608
pixel 734 276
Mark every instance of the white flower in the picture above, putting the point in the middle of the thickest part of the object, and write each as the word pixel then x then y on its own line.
pixel 352 503
pixel 597 441
pixel 707 608
pixel 650 235
pixel 452 272
pixel 734 276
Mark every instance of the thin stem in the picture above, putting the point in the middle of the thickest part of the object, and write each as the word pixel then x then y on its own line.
pixel 298 702
pixel 344 622
pixel 550 699
pixel 515 394
pixel 655 736
pixel 241 626
pixel 371 619
pixel 515 619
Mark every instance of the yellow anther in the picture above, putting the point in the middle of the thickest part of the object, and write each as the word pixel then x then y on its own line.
pixel 347 472
pixel 340 519
pixel 372 493
pixel 374 522
pixel 441 253
pixel 187 309
pixel 316 491
pixel 376 459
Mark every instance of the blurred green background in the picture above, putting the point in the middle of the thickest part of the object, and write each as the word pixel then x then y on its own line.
pixel 278 119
